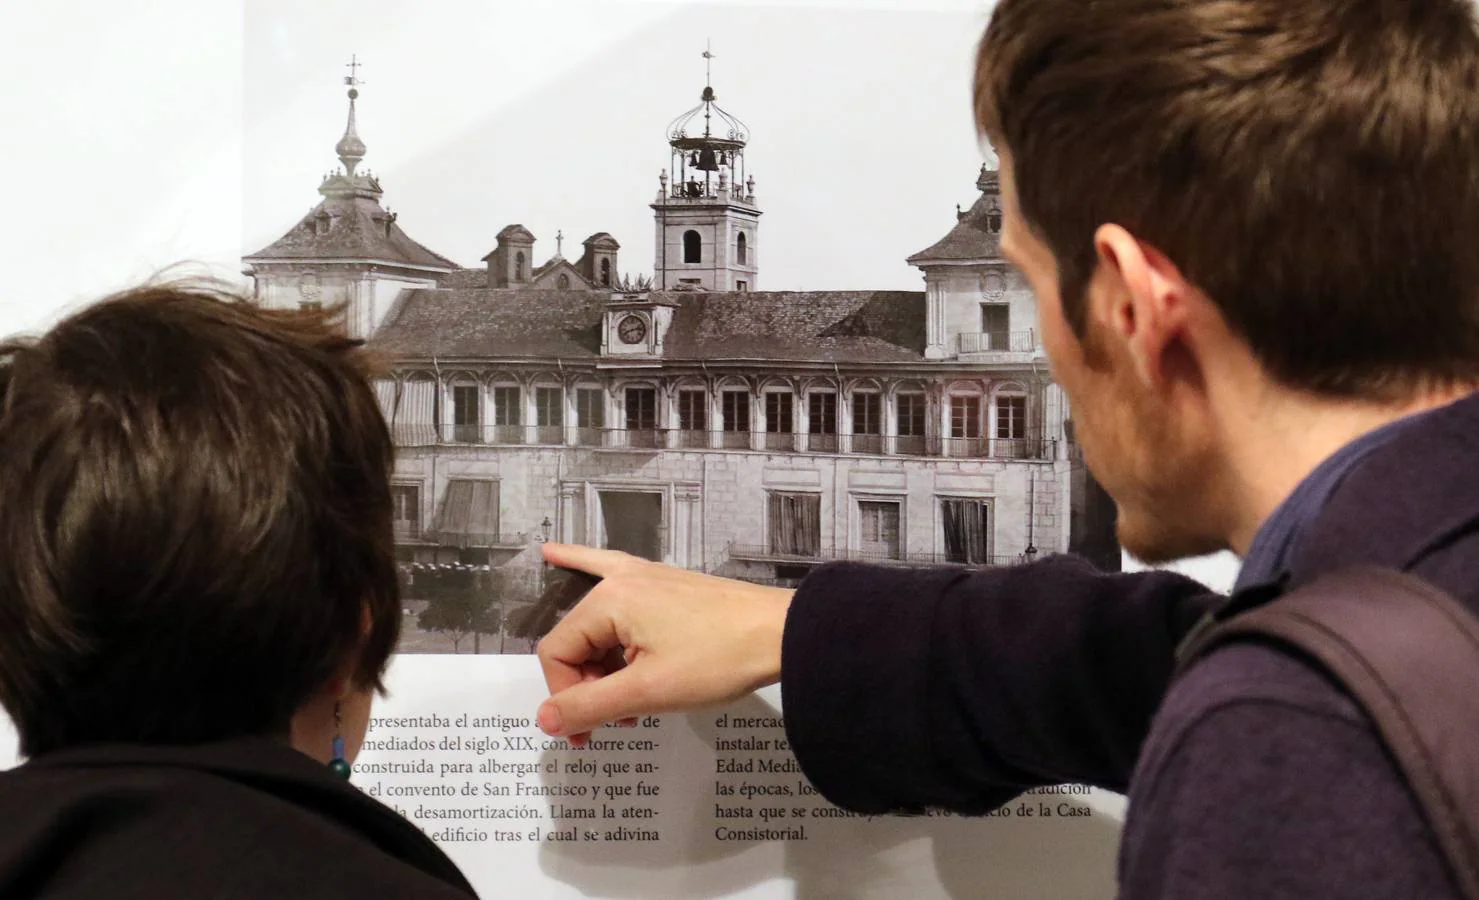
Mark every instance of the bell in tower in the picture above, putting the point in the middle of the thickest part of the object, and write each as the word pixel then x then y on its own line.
pixel 707 218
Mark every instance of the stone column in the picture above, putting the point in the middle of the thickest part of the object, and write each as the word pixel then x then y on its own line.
pixel 889 409
pixel 714 421
pixel 801 409
pixel 570 394
pixel 843 420
pixel 530 416
pixel 934 294
pixel 447 410
pixel 566 526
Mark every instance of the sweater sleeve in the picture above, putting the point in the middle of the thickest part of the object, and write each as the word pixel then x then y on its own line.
pixel 950 688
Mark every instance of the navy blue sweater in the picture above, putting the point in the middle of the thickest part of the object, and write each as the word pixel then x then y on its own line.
pixel 1252 775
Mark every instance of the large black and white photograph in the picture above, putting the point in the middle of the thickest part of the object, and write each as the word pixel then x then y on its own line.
pixel 723 292
pixel 739 449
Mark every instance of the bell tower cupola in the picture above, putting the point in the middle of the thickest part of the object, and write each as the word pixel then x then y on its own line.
pixel 706 215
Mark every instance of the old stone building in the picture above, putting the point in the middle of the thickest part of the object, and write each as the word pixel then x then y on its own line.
pixel 697 420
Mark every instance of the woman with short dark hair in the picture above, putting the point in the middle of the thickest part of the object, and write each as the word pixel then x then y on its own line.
pixel 197 605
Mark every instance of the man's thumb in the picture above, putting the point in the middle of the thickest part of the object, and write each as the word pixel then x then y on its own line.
pixel 590 704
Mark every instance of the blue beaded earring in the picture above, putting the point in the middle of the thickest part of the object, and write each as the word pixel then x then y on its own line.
pixel 339 765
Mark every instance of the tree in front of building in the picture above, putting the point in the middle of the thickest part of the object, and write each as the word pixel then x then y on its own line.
pixel 460 602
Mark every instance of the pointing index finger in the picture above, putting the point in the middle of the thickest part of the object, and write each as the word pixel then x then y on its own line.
pixel 587 559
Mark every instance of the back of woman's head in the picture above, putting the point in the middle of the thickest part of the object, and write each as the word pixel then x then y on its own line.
pixel 196 516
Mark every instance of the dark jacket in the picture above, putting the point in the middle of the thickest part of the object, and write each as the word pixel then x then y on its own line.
pixel 1251 776
pixel 247 819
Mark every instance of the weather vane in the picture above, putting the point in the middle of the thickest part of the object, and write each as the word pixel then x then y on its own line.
pixel 708 61
pixel 353 65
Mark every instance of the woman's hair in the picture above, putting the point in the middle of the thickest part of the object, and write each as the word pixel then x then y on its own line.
pixel 196 516
pixel 1310 164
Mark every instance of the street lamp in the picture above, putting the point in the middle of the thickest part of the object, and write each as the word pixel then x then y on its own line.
pixel 544 530
pixel 1030 553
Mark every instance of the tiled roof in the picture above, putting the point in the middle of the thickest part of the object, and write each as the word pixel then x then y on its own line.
pixel 829 326
pixel 357 230
pixel 602 240
pixel 799 326
pixel 476 277
pixel 493 322
pixel 969 239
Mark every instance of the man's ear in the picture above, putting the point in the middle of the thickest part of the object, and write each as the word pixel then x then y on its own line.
pixel 1138 298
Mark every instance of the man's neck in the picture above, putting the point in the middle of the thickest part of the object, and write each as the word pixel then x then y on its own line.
pixel 1275 443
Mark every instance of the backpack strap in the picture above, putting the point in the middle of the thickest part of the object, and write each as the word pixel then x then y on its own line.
pixel 1408 653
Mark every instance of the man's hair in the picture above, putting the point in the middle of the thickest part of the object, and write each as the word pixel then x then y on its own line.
pixel 196 515
pixel 1312 165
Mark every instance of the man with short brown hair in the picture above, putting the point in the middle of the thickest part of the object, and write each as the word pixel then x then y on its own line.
pixel 1251 229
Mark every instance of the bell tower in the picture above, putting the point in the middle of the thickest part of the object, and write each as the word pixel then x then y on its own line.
pixel 707 219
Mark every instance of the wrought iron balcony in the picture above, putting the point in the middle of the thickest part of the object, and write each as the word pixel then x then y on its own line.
pixel 691 439
pixel 822 442
pixel 469 540
pixel 997 448
pixel 780 440
pixel 654 439
pixel 997 342
pixel 769 554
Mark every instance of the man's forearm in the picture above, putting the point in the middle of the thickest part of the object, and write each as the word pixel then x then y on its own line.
pixel 960 688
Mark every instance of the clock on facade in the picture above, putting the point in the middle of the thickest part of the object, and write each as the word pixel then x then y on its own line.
pixel 632 329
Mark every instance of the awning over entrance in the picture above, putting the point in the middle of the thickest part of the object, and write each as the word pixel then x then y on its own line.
pixel 469 514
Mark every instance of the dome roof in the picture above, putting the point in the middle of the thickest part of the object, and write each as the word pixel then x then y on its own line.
pixel 707 125
pixel 350 148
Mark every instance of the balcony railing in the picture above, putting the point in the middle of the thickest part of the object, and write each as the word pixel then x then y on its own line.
pixel 407 531
pixel 698 190
pixel 998 342
pixel 1031 449
pixel 771 582
pixel 470 539
pixel 915 445
pixel 765 553
pixel 644 438
pixel 822 442
pixel 996 448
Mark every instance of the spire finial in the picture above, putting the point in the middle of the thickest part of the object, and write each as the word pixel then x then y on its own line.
pixel 560 243
pixel 708 96
pixel 350 148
